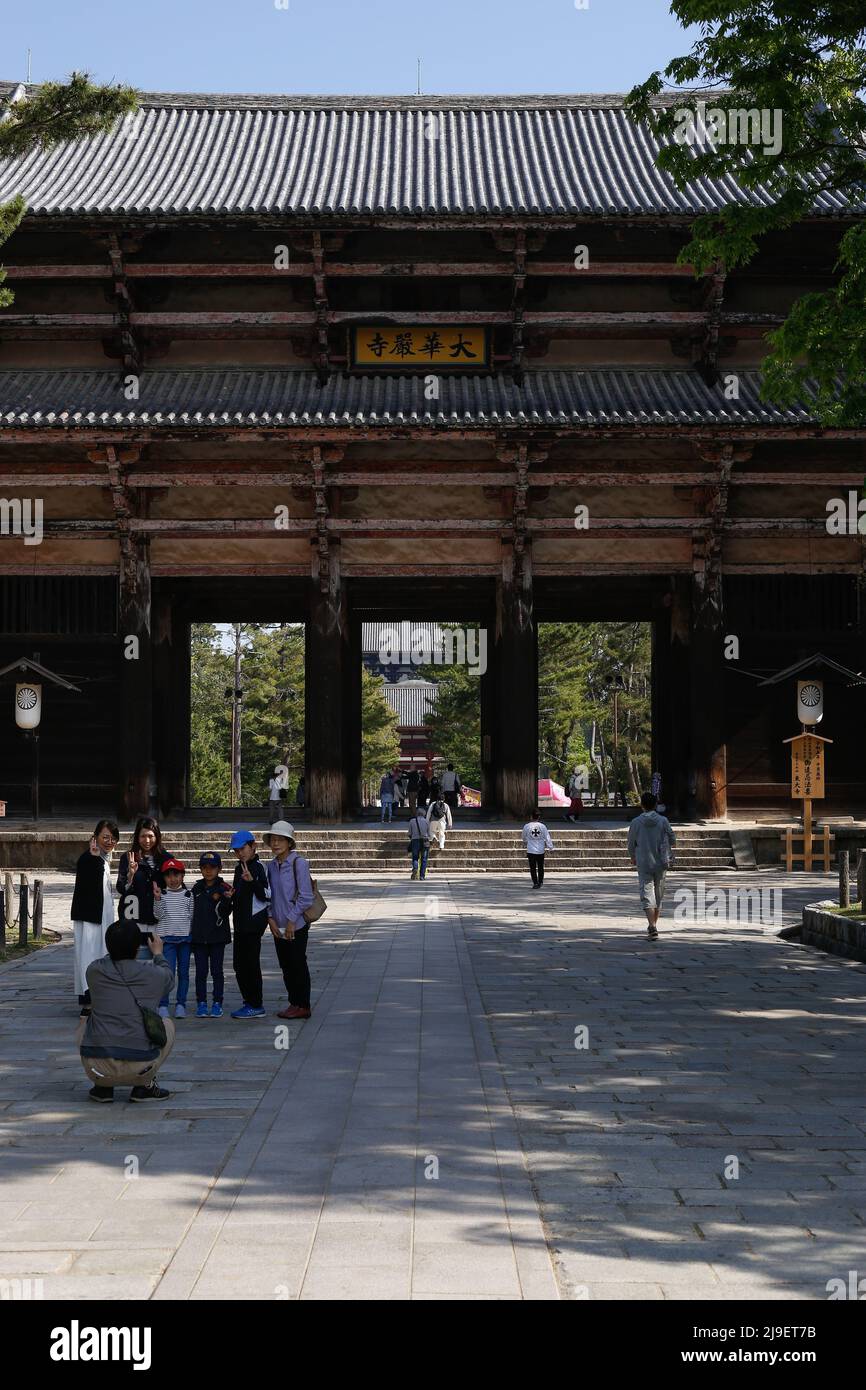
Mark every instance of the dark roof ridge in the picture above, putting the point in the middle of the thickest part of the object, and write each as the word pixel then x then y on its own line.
pixel 353 102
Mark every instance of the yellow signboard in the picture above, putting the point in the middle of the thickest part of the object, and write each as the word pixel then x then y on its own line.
pixel 385 347
pixel 807 767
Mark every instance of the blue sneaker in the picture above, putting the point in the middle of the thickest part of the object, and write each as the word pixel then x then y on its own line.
pixel 216 1011
pixel 247 1011
pixel 201 1010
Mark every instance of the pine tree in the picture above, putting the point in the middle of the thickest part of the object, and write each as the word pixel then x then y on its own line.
pixel 50 115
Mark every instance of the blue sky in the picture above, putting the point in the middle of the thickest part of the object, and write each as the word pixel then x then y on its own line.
pixel 345 46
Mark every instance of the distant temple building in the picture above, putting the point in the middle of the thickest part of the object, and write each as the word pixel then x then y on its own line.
pixel 410 697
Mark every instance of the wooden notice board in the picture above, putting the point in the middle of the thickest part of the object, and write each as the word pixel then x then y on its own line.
pixel 807 767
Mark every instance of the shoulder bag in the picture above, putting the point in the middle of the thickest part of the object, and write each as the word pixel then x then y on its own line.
pixel 154 1026
pixel 318 907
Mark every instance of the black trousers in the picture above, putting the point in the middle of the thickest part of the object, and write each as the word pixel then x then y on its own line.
pixel 246 959
pixel 292 956
pixel 209 958
pixel 536 867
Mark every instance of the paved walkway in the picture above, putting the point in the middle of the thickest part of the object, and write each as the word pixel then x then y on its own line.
pixel 381 1155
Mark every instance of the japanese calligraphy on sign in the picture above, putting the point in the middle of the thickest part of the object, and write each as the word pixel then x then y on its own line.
pixel 387 347
pixel 807 767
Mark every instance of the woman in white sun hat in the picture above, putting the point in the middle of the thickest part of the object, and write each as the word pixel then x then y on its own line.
pixel 291 895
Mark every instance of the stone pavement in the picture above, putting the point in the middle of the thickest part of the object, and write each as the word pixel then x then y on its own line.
pixel 433 1132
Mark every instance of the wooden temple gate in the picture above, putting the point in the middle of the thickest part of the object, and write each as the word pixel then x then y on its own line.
pixel 179 389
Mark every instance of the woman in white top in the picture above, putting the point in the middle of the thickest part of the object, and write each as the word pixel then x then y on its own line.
pixel 92 908
pixel 536 838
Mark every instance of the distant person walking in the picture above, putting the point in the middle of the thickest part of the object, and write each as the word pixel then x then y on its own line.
pixel 439 819
pixel 423 791
pixel 386 797
pixel 651 842
pixel 537 841
pixel 301 790
pixel 275 786
pixel 412 791
pixel 291 895
pixel 451 785
pixel 573 790
pixel 399 788
pixel 419 841
pixel 92 909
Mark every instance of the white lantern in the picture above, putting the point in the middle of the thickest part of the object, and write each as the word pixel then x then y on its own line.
pixel 28 705
pixel 810 701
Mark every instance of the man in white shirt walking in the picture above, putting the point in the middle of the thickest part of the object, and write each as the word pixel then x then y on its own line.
pixel 536 838
pixel 651 842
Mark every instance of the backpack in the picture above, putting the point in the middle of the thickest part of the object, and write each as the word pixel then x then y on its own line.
pixel 438 811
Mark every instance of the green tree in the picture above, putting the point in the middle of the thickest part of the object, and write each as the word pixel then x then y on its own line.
pixel 380 742
pixel 618 690
pixel 210 744
pixel 272 721
pixel 596 674
pixel 804 59
pixel 455 721
pixel 564 712
pixel 50 115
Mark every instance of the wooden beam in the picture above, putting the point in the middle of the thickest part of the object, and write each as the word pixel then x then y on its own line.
pixel 213 474
pixel 374 270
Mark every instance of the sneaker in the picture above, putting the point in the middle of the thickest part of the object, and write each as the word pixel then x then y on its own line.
pixel 103 1095
pixel 294 1011
pixel 201 1010
pixel 151 1092
pixel 652 934
pixel 216 1010
pixel 180 1010
pixel 247 1011
pixel 163 1011
pixel 414 873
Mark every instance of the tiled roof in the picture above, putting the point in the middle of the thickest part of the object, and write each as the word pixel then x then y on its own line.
pixel 193 155
pixel 202 398
pixel 411 701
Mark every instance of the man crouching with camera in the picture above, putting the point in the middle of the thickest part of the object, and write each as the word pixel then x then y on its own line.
pixel 124 1041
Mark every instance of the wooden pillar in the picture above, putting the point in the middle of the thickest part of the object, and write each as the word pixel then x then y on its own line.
pixel 172 723
pixel 708 751
pixel 352 717
pixel 671 696
pixel 326 659
pixel 135 722
pixel 487 695
pixel 516 667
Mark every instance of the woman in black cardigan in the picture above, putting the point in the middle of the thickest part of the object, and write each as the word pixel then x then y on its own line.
pixel 139 874
pixel 92 905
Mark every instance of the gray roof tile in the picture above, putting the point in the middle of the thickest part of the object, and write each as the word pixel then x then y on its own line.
pixel 197 398
pixel 290 156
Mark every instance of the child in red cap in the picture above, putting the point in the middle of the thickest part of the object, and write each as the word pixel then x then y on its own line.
pixel 173 912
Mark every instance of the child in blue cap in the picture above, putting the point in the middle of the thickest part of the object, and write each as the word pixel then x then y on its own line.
pixel 211 933
pixel 251 898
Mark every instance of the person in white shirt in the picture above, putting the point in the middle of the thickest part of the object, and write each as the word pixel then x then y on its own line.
pixel 536 838
pixel 451 785
pixel 274 788
pixel 439 819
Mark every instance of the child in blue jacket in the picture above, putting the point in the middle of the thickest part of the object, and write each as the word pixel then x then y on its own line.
pixel 211 933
